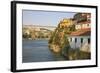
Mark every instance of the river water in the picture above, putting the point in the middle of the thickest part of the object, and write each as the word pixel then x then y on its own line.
pixel 38 51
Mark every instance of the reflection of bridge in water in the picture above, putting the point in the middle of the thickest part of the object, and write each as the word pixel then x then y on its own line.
pixel 39 27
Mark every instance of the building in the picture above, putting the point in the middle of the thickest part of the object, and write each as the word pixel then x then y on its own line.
pixel 66 23
pixel 82 17
pixel 26 31
pixel 83 25
pixel 83 20
pixel 80 38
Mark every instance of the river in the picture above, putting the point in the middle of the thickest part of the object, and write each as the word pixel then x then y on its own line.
pixel 38 51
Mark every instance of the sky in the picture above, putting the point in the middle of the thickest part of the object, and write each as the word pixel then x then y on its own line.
pixel 45 18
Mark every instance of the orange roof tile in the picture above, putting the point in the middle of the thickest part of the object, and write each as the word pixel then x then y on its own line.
pixel 82 32
pixel 84 22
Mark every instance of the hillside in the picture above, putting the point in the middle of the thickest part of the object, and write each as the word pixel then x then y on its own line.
pixel 58 41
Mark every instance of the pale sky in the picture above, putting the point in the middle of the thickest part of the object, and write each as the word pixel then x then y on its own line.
pixel 45 18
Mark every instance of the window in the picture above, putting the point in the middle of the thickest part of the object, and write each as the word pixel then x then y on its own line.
pixel 81 40
pixel 88 40
pixel 88 25
pixel 75 40
pixel 70 39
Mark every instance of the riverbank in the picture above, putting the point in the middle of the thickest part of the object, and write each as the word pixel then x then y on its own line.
pixel 71 54
pixel 76 54
pixel 54 48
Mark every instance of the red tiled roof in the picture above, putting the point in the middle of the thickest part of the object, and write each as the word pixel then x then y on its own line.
pixel 81 32
pixel 84 22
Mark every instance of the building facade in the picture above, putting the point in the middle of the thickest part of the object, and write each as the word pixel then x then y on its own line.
pixel 83 25
pixel 80 38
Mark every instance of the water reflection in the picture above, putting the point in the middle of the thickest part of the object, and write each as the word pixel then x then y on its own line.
pixel 38 51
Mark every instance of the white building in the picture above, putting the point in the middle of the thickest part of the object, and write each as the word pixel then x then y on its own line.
pixel 82 25
pixel 79 38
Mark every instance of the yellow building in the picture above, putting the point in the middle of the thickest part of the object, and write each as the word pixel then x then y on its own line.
pixel 66 23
